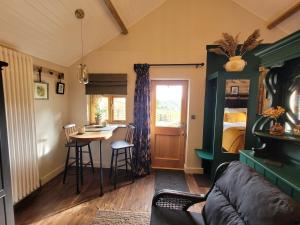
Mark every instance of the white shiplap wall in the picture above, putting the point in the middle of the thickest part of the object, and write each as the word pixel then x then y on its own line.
pixel 18 92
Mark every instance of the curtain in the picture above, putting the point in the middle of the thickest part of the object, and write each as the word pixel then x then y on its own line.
pixel 18 93
pixel 141 152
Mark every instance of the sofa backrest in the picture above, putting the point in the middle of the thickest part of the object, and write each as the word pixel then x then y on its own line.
pixel 243 197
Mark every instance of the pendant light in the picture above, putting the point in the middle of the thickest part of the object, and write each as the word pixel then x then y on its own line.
pixel 82 68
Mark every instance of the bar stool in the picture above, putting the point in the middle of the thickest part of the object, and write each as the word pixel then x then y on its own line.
pixel 122 147
pixel 71 129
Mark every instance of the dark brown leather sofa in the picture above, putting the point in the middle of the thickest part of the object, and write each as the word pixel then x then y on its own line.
pixel 239 196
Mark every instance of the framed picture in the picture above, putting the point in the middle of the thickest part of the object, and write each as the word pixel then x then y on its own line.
pixel 60 88
pixel 234 90
pixel 41 91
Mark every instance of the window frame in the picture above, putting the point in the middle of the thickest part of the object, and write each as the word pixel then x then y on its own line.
pixel 111 109
pixel 111 119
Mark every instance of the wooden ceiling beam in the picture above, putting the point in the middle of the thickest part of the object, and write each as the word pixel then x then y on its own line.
pixel 116 15
pixel 284 16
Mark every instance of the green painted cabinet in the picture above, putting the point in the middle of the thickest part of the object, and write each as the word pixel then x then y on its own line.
pixel 212 153
pixel 278 157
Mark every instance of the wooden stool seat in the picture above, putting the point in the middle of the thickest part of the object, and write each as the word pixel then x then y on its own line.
pixel 122 147
pixel 71 129
pixel 121 144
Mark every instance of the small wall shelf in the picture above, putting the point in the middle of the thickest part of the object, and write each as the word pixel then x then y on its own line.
pixel 285 137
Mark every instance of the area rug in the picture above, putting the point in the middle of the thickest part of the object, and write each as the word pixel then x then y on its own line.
pixel 170 179
pixel 104 217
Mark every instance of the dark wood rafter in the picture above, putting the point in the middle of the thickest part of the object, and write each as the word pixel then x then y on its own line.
pixel 116 15
pixel 284 16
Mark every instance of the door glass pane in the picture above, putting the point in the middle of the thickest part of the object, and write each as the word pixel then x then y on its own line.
pixel 119 104
pixel 102 108
pixel 168 106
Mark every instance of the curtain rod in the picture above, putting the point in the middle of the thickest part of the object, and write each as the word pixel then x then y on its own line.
pixel 179 64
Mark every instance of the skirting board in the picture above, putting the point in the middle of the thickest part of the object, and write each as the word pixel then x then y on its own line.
pixel 45 179
pixel 193 170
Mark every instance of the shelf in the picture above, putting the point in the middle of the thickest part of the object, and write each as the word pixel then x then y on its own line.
pixel 204 154
pixel 286 137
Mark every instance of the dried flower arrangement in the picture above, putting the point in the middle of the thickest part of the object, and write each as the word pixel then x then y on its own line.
pixel 274 113
pixel 229 45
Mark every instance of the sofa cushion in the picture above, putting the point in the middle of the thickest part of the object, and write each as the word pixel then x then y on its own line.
pixel 243 197
pixel 164 216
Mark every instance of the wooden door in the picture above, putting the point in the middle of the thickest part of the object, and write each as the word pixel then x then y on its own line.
pixel 168 123
pixel 6 208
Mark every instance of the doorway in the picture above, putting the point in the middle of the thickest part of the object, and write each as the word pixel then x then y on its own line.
pixel 168 123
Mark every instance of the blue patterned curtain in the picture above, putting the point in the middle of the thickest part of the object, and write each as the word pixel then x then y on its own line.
pixel 141 152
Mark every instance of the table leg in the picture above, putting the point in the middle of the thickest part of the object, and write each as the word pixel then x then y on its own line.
pixel 101 172
pixel 77 167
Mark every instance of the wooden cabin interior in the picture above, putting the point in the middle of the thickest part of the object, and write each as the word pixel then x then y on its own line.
pixel 158 112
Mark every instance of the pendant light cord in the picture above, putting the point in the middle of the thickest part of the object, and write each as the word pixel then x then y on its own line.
pixel 81 41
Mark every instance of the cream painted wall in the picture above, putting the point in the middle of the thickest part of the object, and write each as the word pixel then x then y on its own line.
pixel 176 32
pixel 50 116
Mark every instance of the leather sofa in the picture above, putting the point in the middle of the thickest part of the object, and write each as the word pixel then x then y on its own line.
pixel 239 196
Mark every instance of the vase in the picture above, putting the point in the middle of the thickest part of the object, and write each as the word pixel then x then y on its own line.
pixel 235 64
pixel 97 120
pixel 277 129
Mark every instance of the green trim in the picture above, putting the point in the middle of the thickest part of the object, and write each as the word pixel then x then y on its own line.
pixel 283 50
pixel 203 154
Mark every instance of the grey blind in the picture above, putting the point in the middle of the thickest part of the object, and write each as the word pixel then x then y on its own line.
pixel 103 83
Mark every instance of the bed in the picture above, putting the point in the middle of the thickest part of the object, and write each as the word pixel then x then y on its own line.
pixel 234 127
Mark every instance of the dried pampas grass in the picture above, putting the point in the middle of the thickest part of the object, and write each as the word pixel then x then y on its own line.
pixel 228 46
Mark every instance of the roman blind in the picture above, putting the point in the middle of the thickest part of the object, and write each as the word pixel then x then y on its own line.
pixel 109 84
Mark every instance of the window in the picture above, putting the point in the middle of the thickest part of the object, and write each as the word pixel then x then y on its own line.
pixel 168 106
pixel 110 108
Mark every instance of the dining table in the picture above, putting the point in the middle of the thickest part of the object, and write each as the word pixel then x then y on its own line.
pixel 92 133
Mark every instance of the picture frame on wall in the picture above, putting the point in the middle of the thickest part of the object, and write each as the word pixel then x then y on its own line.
pixel 41 91
pixel 60 88
pixel 234 90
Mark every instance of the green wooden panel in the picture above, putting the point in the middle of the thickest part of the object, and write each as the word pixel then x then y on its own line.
pixel 260 169
pixel 296 195
pixel 271 177
pixel 285 187
pixel 243 158
pixel 250 163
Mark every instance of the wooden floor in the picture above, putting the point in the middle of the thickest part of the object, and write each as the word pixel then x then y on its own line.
pixel 58 204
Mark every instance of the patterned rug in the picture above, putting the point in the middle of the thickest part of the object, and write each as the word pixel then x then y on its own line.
pixel 104 217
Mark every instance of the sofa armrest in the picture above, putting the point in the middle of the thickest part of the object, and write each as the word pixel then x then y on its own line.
pixel 176 199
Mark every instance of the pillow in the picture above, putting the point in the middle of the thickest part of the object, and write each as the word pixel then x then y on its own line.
pixel 235 117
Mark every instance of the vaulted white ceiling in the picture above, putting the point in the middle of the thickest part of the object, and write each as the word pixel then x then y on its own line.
pixel 270 9
pixel 49 30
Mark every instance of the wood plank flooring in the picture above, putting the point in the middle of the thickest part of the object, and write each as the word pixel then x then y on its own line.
pixel 57 203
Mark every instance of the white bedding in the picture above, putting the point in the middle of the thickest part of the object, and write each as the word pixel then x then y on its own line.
pixel 235 110
pixel 241 125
